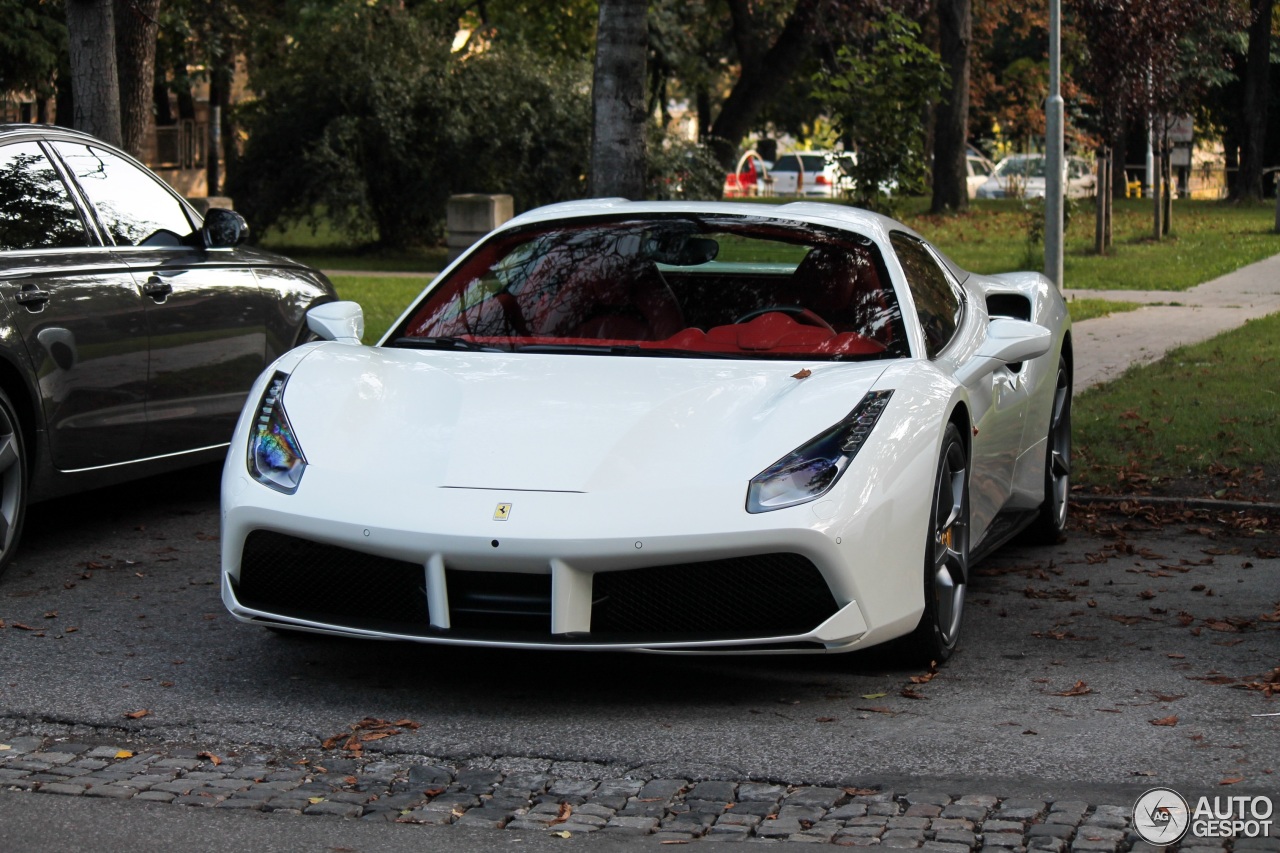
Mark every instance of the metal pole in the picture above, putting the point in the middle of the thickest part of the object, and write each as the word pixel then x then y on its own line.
pixel 1054 155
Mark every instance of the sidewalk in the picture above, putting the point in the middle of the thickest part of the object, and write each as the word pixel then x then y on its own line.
pixel 1106 346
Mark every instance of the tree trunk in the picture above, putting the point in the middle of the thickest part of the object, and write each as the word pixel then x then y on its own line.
pixel 213 162
pixel 764 74
pixel 1100 207
pixel 617 100
pixel 1257 82
pixel 91 42
pixel 1157 227
pixel 136 28
pixel 951 133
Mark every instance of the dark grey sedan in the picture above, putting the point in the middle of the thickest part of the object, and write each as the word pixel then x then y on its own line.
pixel 130 327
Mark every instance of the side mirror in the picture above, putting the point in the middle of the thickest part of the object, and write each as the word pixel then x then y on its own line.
pixel 223 229
pixel 1008 341
pixel 337 321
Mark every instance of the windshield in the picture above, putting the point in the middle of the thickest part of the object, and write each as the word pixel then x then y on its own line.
pixel 1032 167
pixel 791 163
pixel 712 287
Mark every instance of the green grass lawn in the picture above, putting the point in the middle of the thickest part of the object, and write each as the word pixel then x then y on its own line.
pixel 1210 238
pixel 1203 407
pixel 383 298
pixel 1087 309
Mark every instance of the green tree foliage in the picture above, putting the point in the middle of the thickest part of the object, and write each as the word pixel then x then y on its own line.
pixel 878 95
pixel 365 114
pixel 679 170
pixel 32 37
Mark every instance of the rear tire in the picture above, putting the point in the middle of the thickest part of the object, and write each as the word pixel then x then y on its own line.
pixel 946 560
pixel 1051 518
pixel 13 482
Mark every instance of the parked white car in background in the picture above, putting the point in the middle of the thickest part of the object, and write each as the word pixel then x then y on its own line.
pixel 1022 176
pixel 814 174
pixel 978 169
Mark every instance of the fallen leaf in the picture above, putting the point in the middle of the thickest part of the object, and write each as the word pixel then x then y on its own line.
pixel 124 753
pixel 566 810
pixel 874 695
pixel 215 760
pixel 1165 721
pixel 1031 732
pixel 22 627
pixel 563 834
pixel 1078 689
pixel 909 693
pixel 861 792
pixel 804 373
pixel 1231 780
pixel 137 715
pixel 825 719
pixel 878 709
pixel 315 800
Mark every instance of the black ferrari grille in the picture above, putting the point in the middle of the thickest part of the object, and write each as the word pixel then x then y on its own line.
pixel 288 576
pixel 765 595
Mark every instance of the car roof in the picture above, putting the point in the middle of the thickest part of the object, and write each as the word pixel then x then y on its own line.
pixel 9 129
pixel 866 222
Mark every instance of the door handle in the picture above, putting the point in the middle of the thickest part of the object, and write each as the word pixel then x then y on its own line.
pixel 32 297
pixel 157 289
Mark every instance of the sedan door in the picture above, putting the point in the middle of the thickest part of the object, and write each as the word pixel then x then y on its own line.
pixel 78 312
pixel 204 307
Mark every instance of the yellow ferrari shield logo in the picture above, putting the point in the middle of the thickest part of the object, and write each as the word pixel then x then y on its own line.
pixel 502 513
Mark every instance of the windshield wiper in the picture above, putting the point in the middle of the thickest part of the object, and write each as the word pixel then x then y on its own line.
pixel 620 349
pixel 444 343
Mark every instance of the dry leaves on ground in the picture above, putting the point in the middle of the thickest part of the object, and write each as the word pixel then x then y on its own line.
pixel 368 729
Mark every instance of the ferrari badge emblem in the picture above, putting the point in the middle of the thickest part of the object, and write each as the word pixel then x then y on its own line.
pixel 502 513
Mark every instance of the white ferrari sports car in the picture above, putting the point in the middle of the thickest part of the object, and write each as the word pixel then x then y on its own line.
pixel 659 426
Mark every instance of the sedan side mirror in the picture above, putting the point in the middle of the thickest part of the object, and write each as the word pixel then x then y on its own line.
pixel 223 229
pixel 337 321
pixel 1008 341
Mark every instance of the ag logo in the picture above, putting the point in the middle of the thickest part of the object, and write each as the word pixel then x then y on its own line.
pixel 502 513
pixel 1161 817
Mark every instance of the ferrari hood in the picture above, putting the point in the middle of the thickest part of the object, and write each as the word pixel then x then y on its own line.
pixel 551 422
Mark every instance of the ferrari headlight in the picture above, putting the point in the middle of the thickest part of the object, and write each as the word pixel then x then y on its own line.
pixel 809 471
pixel 275 457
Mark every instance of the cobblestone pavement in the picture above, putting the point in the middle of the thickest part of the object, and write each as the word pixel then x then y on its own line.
pixel 673 810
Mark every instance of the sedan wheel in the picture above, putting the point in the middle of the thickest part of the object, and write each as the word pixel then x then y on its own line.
pixel 13 482
pixel 1052 518
pixel 946 567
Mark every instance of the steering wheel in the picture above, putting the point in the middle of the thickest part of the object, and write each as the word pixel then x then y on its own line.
pixel 802 315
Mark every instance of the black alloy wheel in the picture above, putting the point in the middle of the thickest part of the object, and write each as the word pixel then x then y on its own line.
pixel 1051 518
pixel 13 481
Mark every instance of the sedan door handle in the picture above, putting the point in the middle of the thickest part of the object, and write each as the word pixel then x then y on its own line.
pixel 32 297
pixel 157 289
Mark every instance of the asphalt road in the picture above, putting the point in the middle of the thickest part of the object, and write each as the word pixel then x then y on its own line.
pixel 1069 655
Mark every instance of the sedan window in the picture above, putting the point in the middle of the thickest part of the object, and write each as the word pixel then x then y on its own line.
pixel 36 212
pixel 134 207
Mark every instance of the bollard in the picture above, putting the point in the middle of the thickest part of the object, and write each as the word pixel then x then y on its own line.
pixel 471 216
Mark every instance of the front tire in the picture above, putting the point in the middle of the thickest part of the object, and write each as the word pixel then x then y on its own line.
pixel 13 481
pixel 946 562
pixel 1051 518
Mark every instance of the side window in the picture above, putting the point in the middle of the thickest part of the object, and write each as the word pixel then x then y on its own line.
pixel 132 204
pixel 937 303
pixel 36 212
